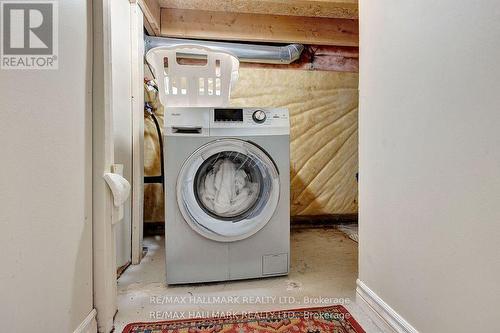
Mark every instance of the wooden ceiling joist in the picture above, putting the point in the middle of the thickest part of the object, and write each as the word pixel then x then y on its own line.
pixel 347 9
pixel 201 24
pixel 151 10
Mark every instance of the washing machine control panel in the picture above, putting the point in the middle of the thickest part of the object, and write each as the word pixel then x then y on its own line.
pixel 245 117
pixel 259 116
pixel 205 121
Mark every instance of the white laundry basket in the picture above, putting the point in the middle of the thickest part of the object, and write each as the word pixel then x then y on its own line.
pixel 193 85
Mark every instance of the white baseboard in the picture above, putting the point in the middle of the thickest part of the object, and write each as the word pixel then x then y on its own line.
pixel 383 315
pixel 89 324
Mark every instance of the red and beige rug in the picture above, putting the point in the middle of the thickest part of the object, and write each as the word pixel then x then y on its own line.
pixel 332 319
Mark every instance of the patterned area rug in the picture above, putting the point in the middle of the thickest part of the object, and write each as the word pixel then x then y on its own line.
pixel 332 319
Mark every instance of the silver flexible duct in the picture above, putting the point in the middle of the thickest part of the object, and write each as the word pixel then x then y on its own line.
pixel 245 52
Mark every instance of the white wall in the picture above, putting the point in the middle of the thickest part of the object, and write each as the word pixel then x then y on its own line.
pixel 430 161
pixel 45 186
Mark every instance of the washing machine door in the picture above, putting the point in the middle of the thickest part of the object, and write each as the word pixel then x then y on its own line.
pixel 228 189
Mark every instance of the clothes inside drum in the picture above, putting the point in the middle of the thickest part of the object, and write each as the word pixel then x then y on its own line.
pixel 228 184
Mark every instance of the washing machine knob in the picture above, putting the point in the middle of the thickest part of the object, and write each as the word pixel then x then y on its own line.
pixel 259 116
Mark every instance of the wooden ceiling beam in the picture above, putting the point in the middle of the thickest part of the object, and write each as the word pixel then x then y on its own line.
pixel 347 9
pixel 200 24
pixel 152 15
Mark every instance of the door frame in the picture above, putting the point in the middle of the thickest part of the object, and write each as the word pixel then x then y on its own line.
pixel 103 247
pixel 137 81
pixel 104 252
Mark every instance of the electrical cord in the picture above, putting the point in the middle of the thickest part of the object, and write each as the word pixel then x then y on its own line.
pixel 155 179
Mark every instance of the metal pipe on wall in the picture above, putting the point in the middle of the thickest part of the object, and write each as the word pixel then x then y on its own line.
pixel 267 54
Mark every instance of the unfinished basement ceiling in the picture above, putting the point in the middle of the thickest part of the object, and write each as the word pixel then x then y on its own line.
pixel 318 22
pixel 347 9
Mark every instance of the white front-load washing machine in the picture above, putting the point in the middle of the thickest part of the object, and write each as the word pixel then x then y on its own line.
pixel 227 177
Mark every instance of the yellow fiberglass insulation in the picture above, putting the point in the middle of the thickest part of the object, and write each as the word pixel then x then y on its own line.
pixel 324 132
pixel 153 193
pixel 324 136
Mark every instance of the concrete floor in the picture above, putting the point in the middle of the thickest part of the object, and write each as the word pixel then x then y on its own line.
pixel 323 272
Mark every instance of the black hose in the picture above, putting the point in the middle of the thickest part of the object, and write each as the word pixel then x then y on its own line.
pixel 154 179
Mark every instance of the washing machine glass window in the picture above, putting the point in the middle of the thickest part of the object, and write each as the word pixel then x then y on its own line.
pixel 228 185
pixel 228 189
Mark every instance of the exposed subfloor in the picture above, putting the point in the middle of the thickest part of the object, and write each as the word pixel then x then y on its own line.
pixel 323 272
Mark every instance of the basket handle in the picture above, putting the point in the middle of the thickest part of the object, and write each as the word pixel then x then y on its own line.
pixel 185 51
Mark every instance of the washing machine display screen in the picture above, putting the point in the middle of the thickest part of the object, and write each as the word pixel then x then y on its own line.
pixel 228 114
